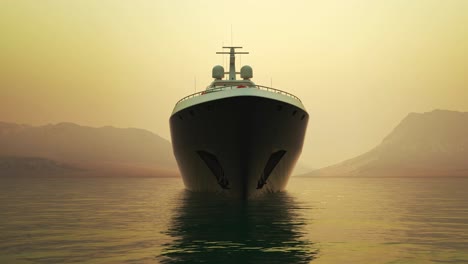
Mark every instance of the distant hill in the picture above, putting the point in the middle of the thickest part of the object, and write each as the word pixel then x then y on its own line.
pixel 105 150
pixel 427 144
pixel 32 165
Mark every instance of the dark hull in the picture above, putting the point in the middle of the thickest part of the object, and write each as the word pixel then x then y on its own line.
pixel 241 146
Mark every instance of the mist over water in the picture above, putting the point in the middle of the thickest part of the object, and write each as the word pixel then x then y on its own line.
pixel 318 220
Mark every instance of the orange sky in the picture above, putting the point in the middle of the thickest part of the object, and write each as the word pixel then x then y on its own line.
pixel 358 66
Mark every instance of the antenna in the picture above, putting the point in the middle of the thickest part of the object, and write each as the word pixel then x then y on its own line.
pixel 232 60
pixel 222 43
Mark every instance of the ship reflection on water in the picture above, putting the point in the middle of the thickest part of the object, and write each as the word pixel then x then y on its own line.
pixel 211 229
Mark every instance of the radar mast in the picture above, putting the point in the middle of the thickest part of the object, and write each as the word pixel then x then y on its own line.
pixel 232 60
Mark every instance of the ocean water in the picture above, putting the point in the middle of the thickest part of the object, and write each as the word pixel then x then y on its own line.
pixel 317 220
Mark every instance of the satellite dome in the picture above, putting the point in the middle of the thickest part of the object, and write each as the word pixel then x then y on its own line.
pixel 218 72
pixel 246 72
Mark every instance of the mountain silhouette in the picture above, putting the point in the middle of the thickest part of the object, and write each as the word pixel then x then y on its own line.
pixel 423 144
pixel 105 150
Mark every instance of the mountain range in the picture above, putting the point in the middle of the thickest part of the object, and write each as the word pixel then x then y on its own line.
pixel 423 144
pixel 428 144
pixel 85 150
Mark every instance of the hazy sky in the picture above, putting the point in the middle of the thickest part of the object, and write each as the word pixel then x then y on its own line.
pixel 358 66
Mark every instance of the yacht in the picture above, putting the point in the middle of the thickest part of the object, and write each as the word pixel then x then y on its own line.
pixel 237 137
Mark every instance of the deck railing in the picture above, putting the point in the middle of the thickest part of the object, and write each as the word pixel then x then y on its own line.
pixel 222 88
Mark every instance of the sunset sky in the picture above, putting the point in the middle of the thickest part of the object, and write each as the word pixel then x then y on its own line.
pixel 359 67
